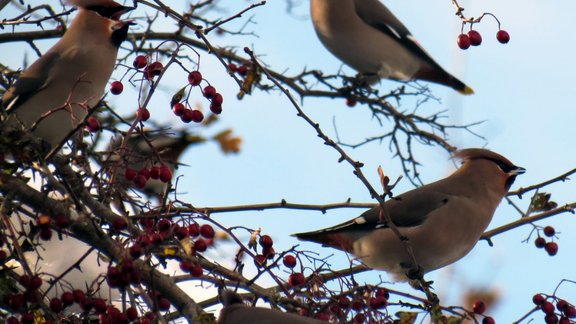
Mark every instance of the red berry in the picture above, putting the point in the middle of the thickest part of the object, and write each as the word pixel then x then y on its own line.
pixel 358 305
pixel 570 312
pixel 186 265
pixel 46 234
pixel 143 114
pixel 145 172
pixel 132 314
pixel 92 124
pixel 209 92
pixel 269 252
pixel 194 229
pixel 350 102
pixel 538 299
pixel 344 302
pixel 17 301
pixel 216 109
pixel 62 221
pixel 233 67
pixel 194 78
pixel 35 283
pixel 479 307
pixel 163 304
pixel 551 248
pixel 197 116
pixel 164 225
pixel 382 292
pixel 116 87
pixel 119 224
pixel 488 320
pixel 242 70
pixel 475 38
pixel 266 241
pixel 540 242
pixel 289 261
pixel 130 174
pixel 24 280
pixel 178 109
pixel 217 99
pixel 140 181
pixel 186 115
pixel 67 298
pixel 207 231
pixel 463 41
pixel 182 233
pixel 359 318
pixel 87 304
pixel 155 172
pixel 156 68
pixel 564 320
pixel 260 260
pixel 562 305
pixel 3 256
pixel 140 61
pixel 12 320
pixel 549 231
pixel 200 245
pixel 551 319
pixel 296 279
pixel 56 305
pixel 135 251
pixel 378 302
pixel 156 238
pixel 547 307
pixel 196 271
pixel 502 36
pixel 79 296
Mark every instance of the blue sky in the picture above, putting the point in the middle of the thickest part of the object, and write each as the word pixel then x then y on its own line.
pixel 523 94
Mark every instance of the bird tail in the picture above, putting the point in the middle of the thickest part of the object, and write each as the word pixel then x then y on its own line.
pixel 438 75
pixel 328 237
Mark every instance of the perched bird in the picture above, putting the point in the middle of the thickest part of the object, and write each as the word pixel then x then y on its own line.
pixel 236 312
pixel 442 220
pixel 56 91
pixel 365 35
pixel 144 151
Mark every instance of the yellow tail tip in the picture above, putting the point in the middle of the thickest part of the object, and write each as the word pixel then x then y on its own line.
pixel 467 90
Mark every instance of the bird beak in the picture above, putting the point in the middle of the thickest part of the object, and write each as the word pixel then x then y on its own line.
pixel 517 171
pixel 119 11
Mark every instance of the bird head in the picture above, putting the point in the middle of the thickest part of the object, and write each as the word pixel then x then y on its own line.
pixel 105 8
pixel 505 169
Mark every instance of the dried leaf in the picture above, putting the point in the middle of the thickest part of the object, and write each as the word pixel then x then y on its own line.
pixel 177 97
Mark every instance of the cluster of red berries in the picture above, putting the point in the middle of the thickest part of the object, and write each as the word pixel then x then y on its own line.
pixel 140 178
pixel 479 307
pixel 123 275
pixel 151 69
pixel 566 311
pixel 268 252
pixel 188 115
pixel 44 223
pixel 550 247
pixel 360 304
pixel 242 70
pixel 473 38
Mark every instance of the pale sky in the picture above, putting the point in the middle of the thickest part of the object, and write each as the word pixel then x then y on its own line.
pixel 523 94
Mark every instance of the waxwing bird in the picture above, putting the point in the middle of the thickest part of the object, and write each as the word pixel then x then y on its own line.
pixel 236 312
pixel 365 35
pixel 144 151
pixel 442 220
pixel 54 94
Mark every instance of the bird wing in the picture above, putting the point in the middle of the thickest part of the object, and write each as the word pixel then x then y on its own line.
pixel 407 210
pixel 30 82
pixel 375 14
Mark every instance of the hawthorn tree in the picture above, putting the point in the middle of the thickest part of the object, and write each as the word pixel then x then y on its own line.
pixel 81 241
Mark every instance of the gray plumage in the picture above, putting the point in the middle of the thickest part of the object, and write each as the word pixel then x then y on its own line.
pixel 443 220
pixel 365 35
